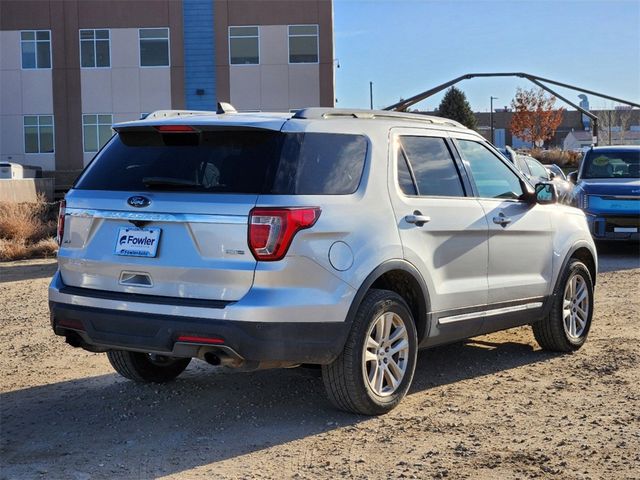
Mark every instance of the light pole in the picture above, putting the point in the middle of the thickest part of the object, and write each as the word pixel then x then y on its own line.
pixel 491 99
pixel 371 95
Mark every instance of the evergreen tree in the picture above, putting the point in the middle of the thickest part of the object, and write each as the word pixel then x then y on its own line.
pixel 455 106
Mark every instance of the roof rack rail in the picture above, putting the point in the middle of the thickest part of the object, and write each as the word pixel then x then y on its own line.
pixel 319 113
pixel 175 113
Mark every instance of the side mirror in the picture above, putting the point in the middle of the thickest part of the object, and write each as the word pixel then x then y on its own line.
pixel 551 175
pixel 573 177
pixel 546 193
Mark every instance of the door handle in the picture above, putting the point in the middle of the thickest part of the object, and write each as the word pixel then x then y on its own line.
pixel 417 218
pixel 501 220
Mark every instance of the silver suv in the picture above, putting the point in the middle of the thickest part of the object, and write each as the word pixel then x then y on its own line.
pixel 345 239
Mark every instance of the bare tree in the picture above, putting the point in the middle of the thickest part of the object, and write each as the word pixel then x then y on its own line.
pixel 611 121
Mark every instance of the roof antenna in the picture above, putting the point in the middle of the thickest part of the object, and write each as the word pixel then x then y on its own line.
pixel 224 107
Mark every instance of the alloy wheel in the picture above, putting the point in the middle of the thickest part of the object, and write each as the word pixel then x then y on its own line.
pixel 575 307
pixel 386 354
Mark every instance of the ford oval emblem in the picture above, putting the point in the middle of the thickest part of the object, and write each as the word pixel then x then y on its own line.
pixel 139 201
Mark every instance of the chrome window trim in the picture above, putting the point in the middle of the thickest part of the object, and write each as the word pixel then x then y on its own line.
pixel 157 217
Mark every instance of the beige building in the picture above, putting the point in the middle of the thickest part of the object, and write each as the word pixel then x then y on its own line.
pixel 69 69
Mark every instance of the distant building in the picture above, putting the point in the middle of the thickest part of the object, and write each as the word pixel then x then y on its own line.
pixel 69 69
pixel 579 139
pixel 571 122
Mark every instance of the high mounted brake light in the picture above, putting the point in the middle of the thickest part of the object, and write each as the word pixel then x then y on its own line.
pixel 61 214
pixel 175 129
pixel 271 230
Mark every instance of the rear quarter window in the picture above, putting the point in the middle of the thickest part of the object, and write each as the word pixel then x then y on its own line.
pixel 320 164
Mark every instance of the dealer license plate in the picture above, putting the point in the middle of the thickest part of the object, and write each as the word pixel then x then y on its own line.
pixel 625 229
pixel 137 242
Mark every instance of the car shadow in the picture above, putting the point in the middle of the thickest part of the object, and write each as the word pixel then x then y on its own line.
pixel 472 358
pixel 618 256
pixel 206 416
pixel 17 271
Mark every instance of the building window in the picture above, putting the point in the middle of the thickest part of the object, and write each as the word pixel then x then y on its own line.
pixel 36 48
pixel 94 48
pixel 244 46
pixel 96 131
pixel 38 134
pixel 303 43
pixel 154 47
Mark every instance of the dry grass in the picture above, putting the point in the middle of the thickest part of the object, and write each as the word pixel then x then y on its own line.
pixel 562 158
pixel 27 230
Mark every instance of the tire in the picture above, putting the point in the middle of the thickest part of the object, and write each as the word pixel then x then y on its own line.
pixel 353 383
pixel 567 325
pixel 146 368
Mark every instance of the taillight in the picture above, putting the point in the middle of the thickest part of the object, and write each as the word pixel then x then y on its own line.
pixel 61 214
pixel 271 230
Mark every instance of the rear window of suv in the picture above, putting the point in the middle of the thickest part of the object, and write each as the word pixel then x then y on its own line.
pixel 229 161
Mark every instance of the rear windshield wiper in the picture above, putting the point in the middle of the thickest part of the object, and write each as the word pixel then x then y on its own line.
pixel 170 182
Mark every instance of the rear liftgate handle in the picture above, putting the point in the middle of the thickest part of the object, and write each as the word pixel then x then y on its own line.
pixel 417 218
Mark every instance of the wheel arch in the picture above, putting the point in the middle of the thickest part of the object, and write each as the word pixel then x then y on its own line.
pixel 582 251
pixel 403 278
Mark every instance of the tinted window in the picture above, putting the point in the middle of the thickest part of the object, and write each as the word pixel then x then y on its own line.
pixel 537 169
pixel 492 177
pixel 612 164
pixel 433 168
pixel 522 166
pixel 404 175
pixel 320 164
pixel 229 161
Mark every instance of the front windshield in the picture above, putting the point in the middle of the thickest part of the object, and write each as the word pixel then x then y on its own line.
pixel 621 164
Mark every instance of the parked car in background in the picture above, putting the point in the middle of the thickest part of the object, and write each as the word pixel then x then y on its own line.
pixel 561 181
pixel 536 172
pixel 557 171
pixel 607 188
pixel 347 239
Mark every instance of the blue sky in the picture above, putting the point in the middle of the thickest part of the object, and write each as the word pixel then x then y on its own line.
pixel 405 47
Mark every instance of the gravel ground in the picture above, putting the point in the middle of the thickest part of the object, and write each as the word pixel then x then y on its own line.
pixel 493 407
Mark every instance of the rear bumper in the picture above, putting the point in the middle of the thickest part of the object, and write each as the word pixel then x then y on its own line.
pixel 603 227
pixel 271 343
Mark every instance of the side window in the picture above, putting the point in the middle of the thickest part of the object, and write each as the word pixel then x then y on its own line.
pixel 404 175
pixel 522 165
pixel 432 166
pixel 537 169
pixel 492 177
